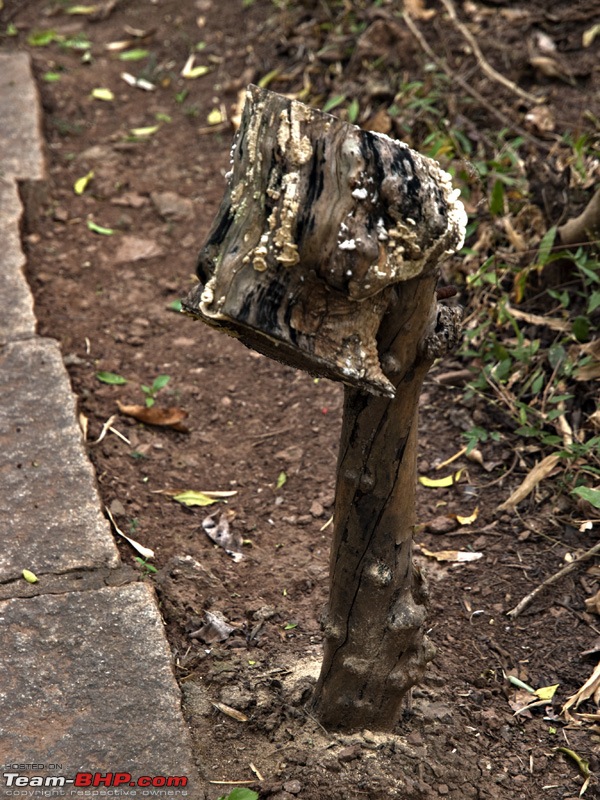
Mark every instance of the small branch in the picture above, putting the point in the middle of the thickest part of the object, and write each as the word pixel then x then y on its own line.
pixel 485 65
pixel 586 227
pixel 502 118
pixel 514 612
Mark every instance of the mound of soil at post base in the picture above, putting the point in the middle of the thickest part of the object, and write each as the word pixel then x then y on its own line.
pixel 270 434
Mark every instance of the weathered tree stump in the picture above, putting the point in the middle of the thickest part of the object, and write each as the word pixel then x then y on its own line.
pixel 324 255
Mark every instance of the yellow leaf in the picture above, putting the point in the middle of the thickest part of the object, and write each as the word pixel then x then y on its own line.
pixel 589 35
pixel 436 483
pixel 192 498
pixel 215 117
pixel 102 94
pixel 29 576
pixel 547 692
pixel 145 131
pixel 81 184
pixel 82 10
pixel 190 71
pixel 468 520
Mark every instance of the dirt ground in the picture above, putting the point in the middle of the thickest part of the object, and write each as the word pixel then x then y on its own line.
pixel 270 433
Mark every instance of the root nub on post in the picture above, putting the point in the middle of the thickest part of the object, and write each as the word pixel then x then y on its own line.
pixel 324 255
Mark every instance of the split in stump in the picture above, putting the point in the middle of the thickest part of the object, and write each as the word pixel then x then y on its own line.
pixel 324 255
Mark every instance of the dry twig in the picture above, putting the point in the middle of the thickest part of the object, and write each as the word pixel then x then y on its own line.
pixel 502 118
pixel 485 65
pixel 514 612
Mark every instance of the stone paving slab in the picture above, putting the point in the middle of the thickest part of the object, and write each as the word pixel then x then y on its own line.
pixel 86 683
pixel 17 320
pixel 21 153
pixel 50 518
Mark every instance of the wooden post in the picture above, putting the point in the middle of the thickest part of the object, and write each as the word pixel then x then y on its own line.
pixel 324 255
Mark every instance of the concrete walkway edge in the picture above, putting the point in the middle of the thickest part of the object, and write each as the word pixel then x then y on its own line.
pixel 89 702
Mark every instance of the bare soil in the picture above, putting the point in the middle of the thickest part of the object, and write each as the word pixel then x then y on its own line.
pixel 107 299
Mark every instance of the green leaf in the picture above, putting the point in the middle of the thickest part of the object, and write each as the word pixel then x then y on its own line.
pixel 191 498
pixel 176 305
pixel 497 199
pixel 591 495
pixel 43 38
pixel 137 54
pixel 112 378
pixel 546 245
pixel 240 794
pixel 52 77
pixel 334 102
pixel 82 10
pixel 160 382
pixel 353 111
pixel 593 302
pixel 270 76
pixel 99 229
pixel 281 480
pixel 143 133
pixel 581 329
pixel 29 576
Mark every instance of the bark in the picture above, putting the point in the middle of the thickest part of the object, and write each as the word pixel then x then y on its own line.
pixel 375 649
pixel 324 255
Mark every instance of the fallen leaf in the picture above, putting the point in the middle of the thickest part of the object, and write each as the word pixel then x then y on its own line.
pixel 537 474
pixel 221 534
pixel 103 94
pixel 111 378
pixel 166 417
pixel 140 83
pixel 582 764
pixel 281 480
pixel 29 576
pixel 592 604
pixel 95 228
pixel 590 34
pixel 416 9
pixel 468 520
pixel 137 54
pixel 144 132
pixel 547 692
pixel 192 498
pixel 231 712
pixel 589 690
pixel 215 117
pixel 214 629
pixel 436 483
pixel 146 552
pixel 81 184
pixel 190 71
pixel 452 555
pixel 82 10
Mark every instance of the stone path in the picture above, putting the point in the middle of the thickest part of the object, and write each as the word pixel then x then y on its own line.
pixel 87 690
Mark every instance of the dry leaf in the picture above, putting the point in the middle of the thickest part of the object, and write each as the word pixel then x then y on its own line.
pixel 537 474
pixel 214 629
pixel 169 417
pixel 417 10
pixel 593 603
pixel 220 533
pixel 589 690
pixel 231 712
pixel 452 555
pixel 146 552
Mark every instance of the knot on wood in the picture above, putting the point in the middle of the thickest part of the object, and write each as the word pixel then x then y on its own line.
pixel 320 221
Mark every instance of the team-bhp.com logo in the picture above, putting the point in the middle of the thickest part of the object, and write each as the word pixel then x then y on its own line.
pixel 150 786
